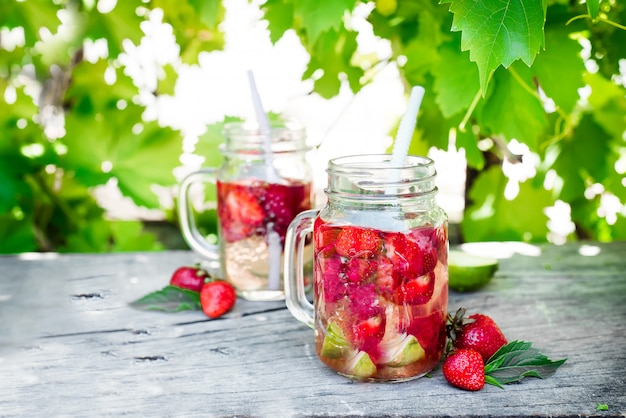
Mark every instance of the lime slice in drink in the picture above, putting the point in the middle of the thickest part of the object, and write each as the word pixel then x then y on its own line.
pixel 361 366
pixel 400 351
pixel 467 272
pixel 335 344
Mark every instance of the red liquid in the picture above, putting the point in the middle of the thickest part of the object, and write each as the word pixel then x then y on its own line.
pixel 256 207
pixel 254 216
pixel 380 293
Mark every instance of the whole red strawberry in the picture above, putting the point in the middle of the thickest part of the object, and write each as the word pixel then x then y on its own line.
pixel 465 369
pixel 477 332
pixel 189 277
pixel 217 297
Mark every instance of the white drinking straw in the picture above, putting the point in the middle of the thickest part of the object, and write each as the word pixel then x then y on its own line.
pixel 264 128
pixel 264 122
pixel 274 245
pixel 406 128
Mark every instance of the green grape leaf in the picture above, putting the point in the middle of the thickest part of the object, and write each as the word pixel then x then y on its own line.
pixel 561 52
pixel 167 82
pixel 318 17
pixel 169 299
pixel 583 161
pixel 512 111
pixel 498 32
pixel 31 15
pixel 456 80
pixel 209 11
pixel 420 58
pixel 585 214
pixel 195 24
pixel 138 154
pixel 334 61
pixel 432 126
pixel 612 47
pixel 279 15
pixel 119 24
pixel 608 103
pixel 13 189
pixel 208 143
pixel 468 141
pixel 92 236
pixel 618 229
pixel 90 93
pixel 131 236
pixel 593 7
pixel 98 235
pixel 17 234
pixel 491 217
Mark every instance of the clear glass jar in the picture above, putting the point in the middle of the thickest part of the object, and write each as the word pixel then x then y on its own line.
pixel 259 191
pixel 380 269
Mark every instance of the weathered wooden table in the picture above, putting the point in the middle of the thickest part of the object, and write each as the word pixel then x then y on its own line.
pixel 71 346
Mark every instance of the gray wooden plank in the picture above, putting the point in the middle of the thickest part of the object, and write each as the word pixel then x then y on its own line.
pixel 71 346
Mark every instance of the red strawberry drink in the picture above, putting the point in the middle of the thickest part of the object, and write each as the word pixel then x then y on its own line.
pixel 261 185
pixel 380 269
pixel 382 295
pixel 253 217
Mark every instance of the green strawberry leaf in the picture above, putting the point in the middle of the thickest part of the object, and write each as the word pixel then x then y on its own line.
pixel 517 360
pixel 169 299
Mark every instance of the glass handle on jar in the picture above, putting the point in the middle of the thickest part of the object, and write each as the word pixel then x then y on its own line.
pixel 295 239
pixel 188 227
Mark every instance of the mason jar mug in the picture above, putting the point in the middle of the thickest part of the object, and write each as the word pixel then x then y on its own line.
pixel 380 248
pixel 261 186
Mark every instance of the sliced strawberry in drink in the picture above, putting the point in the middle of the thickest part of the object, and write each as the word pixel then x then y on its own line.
pixel 441 243
pixel 416 291
pixel 386 278
pixel 439 239
pixel 368 333
pixel 430 331
pixel 363 300
pixel 240 213
pixel 358 242
pixel 325 237
pixel 360 270
pixel 330 269
pixel 411 254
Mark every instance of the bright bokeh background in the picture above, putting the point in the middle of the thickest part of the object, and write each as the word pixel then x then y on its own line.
pixel 218 86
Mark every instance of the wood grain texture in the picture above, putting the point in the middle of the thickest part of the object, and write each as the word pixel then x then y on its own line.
pixel 71 346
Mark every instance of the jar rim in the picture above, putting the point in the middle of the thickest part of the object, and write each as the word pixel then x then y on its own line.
pixel 375 176
pixel 245 137
pixel 379 162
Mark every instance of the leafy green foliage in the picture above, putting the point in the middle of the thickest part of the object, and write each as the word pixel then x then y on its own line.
pixel 545 74
pixel 86 129
pixel 499 33
pixel 521 219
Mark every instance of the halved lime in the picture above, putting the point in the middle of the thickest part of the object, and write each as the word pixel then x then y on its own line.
pixel 401 350
pixel 467 272
pixel 361 366
pixel 335 344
